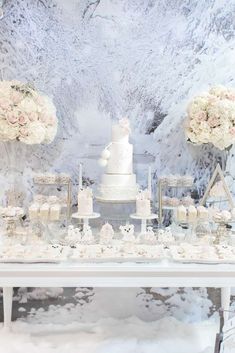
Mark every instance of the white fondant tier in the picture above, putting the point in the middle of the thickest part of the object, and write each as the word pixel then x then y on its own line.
pixel 121 159
pixel 118 187
pixel 119 134
pixel 85 206
pixel 143 207
pixel 125 180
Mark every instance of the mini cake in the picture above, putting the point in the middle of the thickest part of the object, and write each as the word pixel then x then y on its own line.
pixel 87 237
pixel 106 234
pixel 85 202
pixel 181 214
pixel 173 201
pixel 192 214
pixel 55 210
pixel 44 212
pixel 202 213
pixel 149 237
pixel 52 199
pixel 187 201
pixel 39 199
pixel 34 211
pixel 143 204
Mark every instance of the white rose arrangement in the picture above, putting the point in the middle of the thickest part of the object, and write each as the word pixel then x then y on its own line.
pixel 211 118
pixel 25 114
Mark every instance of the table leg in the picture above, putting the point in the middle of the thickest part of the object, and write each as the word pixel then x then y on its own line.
pixel 225 301
pixel 7 305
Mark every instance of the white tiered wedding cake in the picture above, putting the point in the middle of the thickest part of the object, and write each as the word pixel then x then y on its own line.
pixel 119 182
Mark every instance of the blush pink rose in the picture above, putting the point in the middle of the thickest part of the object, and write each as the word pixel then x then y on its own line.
pixel 5 103
pixel 12 118
pixel 201 116
pixel 24 131
pixel 232 131
pixel 16 97
pixel 213 122
pixel 33 116
pixel 22 120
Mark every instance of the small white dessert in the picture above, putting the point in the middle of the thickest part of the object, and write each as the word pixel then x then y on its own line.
pixel 149 237
pixel 165 236
pixel 173 201
pixel 181 214
pixel 87 237
pixel 106 234
pixel 44 212
pixel 39 199
pixel 187 201
pixel 85 202
pixel 55 212
pixel 52 199
pixel 143 204
pixel 202 213
pixel 128 232
pixel 226 215
pixel 74 235
pixel 192 214
pixel 34 210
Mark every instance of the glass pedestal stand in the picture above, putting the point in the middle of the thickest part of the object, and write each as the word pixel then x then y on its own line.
pixel 144 220
pixel 85 218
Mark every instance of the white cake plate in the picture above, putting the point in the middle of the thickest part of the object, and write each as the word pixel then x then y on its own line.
pixel 144 220
pixel 85 218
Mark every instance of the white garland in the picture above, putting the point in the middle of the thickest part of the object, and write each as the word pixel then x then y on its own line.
pixel 211 118
pixel 25 114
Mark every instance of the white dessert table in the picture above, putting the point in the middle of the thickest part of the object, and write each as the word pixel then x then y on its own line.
pixel 69 274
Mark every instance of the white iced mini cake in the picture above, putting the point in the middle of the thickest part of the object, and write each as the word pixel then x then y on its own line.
pixel 143 204
pixel 85 202
pixel 119 182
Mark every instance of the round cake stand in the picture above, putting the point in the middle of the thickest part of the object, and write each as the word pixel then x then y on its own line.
pixel 144 220
pixel 85 218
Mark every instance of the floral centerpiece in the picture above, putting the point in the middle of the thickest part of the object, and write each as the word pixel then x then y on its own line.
pixel 211 118
pixel 25 114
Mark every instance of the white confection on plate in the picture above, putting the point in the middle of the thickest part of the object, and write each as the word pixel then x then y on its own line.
pixel 106 233
pixel 87 237
pixel 192 213
pixel 119 182
pixel 85 202
pixel 181 214
pixel 44 211
pixel 34 210
pixel 55 212
pixel 128 232
pixel 202 213
pixel 143 203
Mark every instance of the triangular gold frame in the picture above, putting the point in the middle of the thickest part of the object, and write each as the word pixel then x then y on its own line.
pixel 217 172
